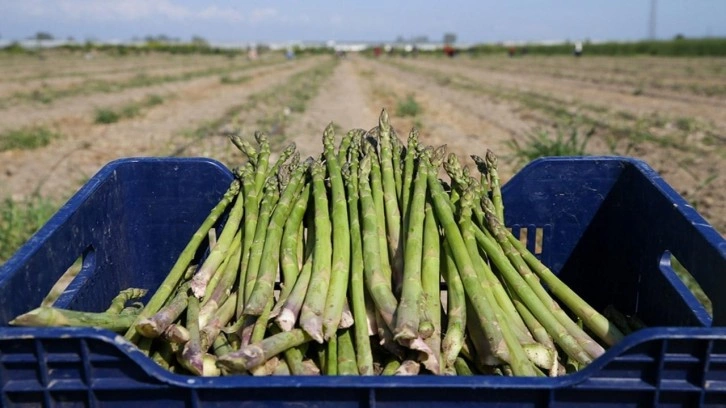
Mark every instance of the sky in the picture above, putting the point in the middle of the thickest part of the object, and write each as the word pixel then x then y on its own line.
pixel 473 21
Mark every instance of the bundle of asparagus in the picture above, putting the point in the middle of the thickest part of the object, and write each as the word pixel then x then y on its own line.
pixel 360 238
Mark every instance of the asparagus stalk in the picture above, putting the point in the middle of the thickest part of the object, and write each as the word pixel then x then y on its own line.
pixel 478 292
pixel 340 261
pixel 331 356
pixel 376 186
pixel 594 321
pixel 218 254
pixel 182 263
pixel 456 311
pixel 364 358
pixel 378 286
pixel 269 200
pixel 264 284
pixel 253 355
pixel 430 283
pixel 393 215
pixel 407 319
pixel 292 305
pixel 192 357
pixel 291 241
pixel 491 160
pixel 155 325
pixel 346 354
pixel 311 315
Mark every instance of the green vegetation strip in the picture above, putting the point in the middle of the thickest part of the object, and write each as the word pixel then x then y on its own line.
pixel 27 138
pixel 130 110
pixel 19 219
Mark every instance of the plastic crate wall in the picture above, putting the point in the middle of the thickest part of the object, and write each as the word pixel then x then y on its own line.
pixel 607 226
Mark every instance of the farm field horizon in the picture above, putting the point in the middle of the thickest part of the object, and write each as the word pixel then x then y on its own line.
pixel 65 116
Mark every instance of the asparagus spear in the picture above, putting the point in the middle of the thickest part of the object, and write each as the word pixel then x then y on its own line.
pixel 364 357
pixel 311 315
pixel 253 355
pixel 340 261
pixel 182 263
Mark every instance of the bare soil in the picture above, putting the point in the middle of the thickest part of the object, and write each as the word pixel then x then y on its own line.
pixel 668 112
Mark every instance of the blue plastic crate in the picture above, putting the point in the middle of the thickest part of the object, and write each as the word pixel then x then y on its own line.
pixel 606 225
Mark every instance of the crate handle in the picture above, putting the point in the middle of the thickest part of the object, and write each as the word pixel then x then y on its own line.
pixel 690 295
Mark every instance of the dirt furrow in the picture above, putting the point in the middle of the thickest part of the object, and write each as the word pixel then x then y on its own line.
pixel 82 106
pixel 67 163
pixel 342 101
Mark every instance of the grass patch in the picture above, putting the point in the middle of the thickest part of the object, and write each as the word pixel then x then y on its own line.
pixel 27 138
pixel 21 219
pixel 231 80
pixel 408 107
pixel 542 144
pixel 130 110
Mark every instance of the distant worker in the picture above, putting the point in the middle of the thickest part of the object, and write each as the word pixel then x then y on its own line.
pixel 449 51
pixel 578 49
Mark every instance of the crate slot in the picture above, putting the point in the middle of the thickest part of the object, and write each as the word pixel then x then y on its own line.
pixel 74 278
pixel 686 293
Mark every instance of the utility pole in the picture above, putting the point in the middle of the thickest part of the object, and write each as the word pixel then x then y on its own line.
pixel 651 25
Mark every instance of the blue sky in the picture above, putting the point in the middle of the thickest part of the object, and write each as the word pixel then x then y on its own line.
pixel 371 20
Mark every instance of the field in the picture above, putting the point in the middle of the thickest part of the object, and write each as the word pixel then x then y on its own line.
pixel 64 116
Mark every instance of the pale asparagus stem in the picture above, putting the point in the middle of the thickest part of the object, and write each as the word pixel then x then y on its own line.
pixel 535 327
pixel 212 238
pixel 430 283
pixel 491 160
pixel 253 355
pixel 192 356
pixel 311 314
pixel 53 317
pixel 346 318
pixel 252 203
pixel 378 286
pixel 182 263
pixel 397 152
pixel 310 368
pixel 376 188
pixel 408 169
pixel 594 321
pixel 245 147
pixel 282 368
pixel 478 292
pixel 539 309
pixel 260 326
pixel 407 314
pixel 221 346
pixel 269 263
pixel 346 354
pixel 462 367
pixel 356 289
pixel 155 325
pixel 385 338
pixel 221 289
pixel 408 367
pixel 218 254
pixel 391 367
pixel 393 215
pixel 340 260
pixel 331 356
pixel 271 195
pixel 291 308
pixel 176 334
pixel 294 359
pixel 484 355
pixel 456 310
pixel 292 241
pixel 222 316
pixel 224 267
pixel 501 297
pixel 585 341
